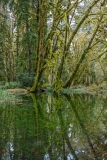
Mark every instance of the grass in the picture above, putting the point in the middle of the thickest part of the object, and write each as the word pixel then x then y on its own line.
pixel 5 96
pixel 9 91
pixel 73 91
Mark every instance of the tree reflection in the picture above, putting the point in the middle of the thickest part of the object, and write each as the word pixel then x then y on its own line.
pixel 81 123
pixel 62 127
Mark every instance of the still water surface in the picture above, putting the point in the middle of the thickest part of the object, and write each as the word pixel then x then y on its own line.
pixel 52 127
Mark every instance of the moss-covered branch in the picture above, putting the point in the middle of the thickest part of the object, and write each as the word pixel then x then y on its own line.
pixel 83 56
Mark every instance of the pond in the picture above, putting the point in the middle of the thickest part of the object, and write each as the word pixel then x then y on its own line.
pixel 54 127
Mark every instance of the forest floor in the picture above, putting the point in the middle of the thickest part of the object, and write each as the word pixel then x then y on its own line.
pixel 17 91
pixel 93 89
pixel 9 95
pixel 12 95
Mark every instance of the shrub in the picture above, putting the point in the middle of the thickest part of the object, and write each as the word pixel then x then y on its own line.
pixel 26 79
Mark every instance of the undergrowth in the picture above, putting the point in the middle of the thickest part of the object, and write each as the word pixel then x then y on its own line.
pixel 5 96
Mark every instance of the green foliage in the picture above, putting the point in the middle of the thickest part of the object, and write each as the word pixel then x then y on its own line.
pixel 22 10
pixel 58 85
pixel 28 37
pixel 1 74
pixel 80 86
pixel 54 40
pixel 12 85
pixel 73 91
pixel 5 96
pixel 25 79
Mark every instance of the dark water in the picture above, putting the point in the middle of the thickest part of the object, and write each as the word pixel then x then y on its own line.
pixel 52 127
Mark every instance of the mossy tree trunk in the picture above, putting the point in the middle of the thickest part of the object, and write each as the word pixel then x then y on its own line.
pixel 28 48
pixel 40 46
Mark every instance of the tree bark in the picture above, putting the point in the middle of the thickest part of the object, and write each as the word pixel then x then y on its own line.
pixel 28 48
pixel 40 52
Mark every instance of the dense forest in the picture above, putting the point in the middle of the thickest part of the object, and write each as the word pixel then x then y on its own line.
pixel 58 44
pixel 56 47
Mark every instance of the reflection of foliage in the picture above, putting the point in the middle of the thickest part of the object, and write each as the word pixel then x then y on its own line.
pixel 44 125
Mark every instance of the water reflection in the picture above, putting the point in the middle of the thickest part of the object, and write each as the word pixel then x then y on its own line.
pixel 8 152
pixel 46 157
pixel 52 127
pixel 70 157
